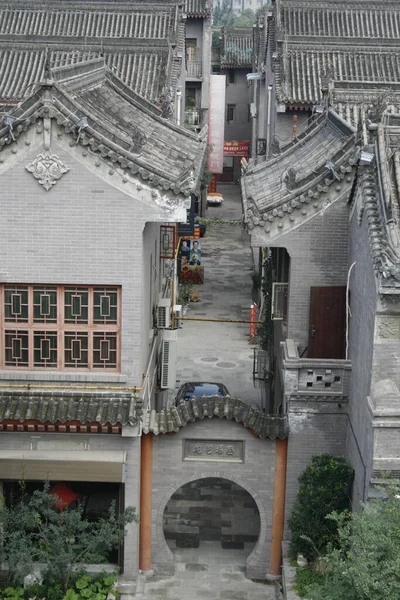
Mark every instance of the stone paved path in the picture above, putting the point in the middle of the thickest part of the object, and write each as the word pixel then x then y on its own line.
pixel 208 573
pixel 221 352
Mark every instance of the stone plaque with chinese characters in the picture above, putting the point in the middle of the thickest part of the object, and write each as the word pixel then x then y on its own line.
pixel 214 450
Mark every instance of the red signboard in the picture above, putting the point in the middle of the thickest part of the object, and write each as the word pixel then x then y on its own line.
pixel 216 122
pixel 236 149
pixel 212 186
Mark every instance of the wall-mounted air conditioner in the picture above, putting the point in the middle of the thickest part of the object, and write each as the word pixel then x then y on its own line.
pixel 178 313
pixel 168 359
pixel 164 313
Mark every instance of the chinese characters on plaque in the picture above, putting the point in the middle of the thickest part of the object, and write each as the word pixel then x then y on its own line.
pixel 214 450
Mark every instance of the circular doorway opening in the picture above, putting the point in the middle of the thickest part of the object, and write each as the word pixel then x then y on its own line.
pixel 212 511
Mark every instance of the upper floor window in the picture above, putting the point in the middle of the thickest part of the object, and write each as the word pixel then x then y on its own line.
pixel 60 327
pixel 191 49
pixel 230 113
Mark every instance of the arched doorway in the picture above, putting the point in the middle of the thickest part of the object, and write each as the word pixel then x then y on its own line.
pixel 212 514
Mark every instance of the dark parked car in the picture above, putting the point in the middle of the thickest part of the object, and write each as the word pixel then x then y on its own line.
pixel 199 389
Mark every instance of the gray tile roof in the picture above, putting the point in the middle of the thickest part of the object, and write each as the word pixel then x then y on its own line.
pixel 308 175
pixel 123 128
pixel 136 44
pixel 305 66
pixel 355 42
pixel 53 407
pixel 92 23
pixel 198 8
pixel 237 47
pixel 379 184
pixel 341 19
pixel 252 417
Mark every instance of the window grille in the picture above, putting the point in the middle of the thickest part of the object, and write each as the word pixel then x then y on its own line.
pixel 60 327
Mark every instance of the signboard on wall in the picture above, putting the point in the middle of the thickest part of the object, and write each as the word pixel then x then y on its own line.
pixel 216 122
pixel 236 149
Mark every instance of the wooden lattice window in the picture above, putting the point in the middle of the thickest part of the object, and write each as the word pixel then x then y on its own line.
pixel 60 327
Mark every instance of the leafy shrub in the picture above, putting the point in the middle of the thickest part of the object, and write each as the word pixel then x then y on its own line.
pixel 306 577
pixel 366 563
pixel 34 530
pixel 325 486
pixel 83 587
pixel 11 593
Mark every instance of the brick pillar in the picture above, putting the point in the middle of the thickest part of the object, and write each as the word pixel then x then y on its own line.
pixel 278 520
pixel 146 466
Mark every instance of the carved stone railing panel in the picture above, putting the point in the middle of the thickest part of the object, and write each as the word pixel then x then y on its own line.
pixel 312 377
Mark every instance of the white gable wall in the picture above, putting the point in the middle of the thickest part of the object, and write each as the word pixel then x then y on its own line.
pixel 82 231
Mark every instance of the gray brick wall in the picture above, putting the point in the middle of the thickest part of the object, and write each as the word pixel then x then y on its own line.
pixel 256 475
pixel 239 94
pixel 318 256
pixel 311 433
pixel 363 298
pixel 83 231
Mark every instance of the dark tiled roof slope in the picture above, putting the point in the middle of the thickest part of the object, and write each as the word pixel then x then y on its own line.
pixel 252 417
pixel 60 407
pixel 86 23
pixel 306 177
pixel 144 71
pixel 198 8
pixel 237 47
pixel 122 128
pixel 347 41
pixel 135 39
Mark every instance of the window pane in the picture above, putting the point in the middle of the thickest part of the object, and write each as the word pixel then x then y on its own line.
pixel 44 304
pixel 104 350
pixel 16 348
pixel 16 303
pixel 105 306
pixel 45 349
pixel 76 305
pixel 76 349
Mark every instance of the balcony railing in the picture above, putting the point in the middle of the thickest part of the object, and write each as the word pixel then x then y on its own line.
pixel 192 117
pixel 194 68
pixel 308 378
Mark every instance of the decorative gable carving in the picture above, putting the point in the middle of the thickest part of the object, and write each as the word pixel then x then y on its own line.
pixel 47 168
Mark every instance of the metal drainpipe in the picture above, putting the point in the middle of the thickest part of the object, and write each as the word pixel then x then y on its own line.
pixel 178 106
pixel 254 123
pixel 269 120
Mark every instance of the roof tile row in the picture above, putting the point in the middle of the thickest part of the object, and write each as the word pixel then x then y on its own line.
pixel 87 23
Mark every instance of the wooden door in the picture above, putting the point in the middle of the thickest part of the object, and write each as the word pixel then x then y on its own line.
pixel 327 333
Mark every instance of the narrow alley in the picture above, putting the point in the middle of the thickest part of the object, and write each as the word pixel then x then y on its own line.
pixel 213 351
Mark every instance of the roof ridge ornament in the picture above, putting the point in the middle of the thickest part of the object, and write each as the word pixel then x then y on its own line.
pixel 166 101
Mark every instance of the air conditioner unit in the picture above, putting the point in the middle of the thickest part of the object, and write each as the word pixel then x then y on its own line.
pixel 168 359
pixel 178 313
pixel 164 313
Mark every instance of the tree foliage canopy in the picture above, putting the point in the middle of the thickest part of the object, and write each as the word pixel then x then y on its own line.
pixel 224 16
pixel 35 530
pixel 366 564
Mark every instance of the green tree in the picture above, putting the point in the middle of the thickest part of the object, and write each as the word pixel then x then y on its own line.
pixel 245 19
pixel 223 14
pixel 325 487
pixel 366 564
pixel 35 530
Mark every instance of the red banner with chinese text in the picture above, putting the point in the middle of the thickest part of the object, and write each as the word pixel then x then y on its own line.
pixel 236 149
